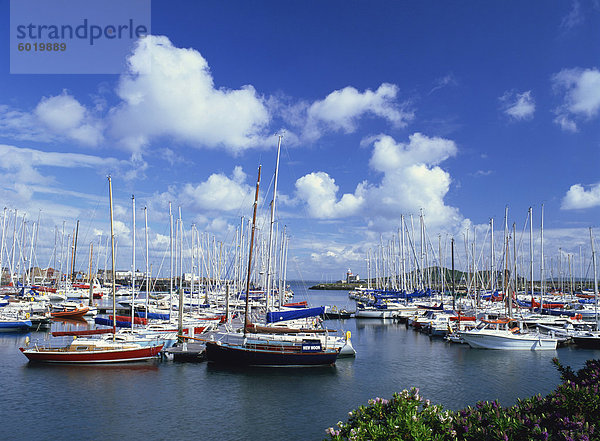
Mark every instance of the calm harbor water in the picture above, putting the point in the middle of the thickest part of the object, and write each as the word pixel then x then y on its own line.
pixel 178 401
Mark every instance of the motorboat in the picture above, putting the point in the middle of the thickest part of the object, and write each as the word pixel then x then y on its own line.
pixel 506 334
pixel 69 310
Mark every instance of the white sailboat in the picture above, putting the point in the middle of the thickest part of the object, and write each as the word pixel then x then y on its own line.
pixel 505 334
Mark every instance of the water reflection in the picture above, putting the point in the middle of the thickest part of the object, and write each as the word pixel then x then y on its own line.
pixel 86 369
pixel 291 403
pixel 271 372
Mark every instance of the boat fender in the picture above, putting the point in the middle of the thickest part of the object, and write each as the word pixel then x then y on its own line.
pixel 27 341
pixel 27 315
pixel 348 335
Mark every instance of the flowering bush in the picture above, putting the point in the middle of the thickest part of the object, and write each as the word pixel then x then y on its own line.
pixel 571 412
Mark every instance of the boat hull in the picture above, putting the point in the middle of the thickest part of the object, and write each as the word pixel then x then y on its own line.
pixel 101 356
pixel 587 342
pixel 244 356
pixel 78 313
pixel 15 326
pixel 490 341
pixel 375 313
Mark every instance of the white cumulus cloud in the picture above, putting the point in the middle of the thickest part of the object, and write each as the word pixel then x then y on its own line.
pixel 170 91
pixel 341 109
pixel 218 193
pixel 578 197
pixel 55 118
pixel 581 96
pixel 519 106
pixel 319 191
pixel 411 180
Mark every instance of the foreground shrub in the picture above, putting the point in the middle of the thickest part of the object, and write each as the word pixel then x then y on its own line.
pixel 571 412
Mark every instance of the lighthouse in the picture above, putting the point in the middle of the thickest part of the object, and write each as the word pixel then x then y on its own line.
pixel 351 278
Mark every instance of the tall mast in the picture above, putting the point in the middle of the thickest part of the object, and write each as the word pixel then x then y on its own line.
pixel 595 279
pixel 402 253
pixel 54 252
pixel 531 250
pixel 542 261
pixel 30 260
pixel 280 268
pixel 147 257
pixel 442 270
pixel 453 279
pixel 181 290
pixel 468 262
pixel 246 321
pixel 492 278
pixel 475 291
pixel 514 269
pixel 270 252
pixel 580 270
pixel 112 246
pixel 22 250
pixel 193 267
pixel 37 230
pixel 421 256
pixel 132 260
pixel 504 281
pixel 62 242
pixel 74 252
pixel 2 245
pixel 71 265
pixel 180 254
pixel 241 257
pixel 171 260
pixel 285 257
pixel 369 269
pixel 91 292
pixel 14 244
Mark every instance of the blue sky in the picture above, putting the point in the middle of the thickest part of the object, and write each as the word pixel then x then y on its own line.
pixel 387 108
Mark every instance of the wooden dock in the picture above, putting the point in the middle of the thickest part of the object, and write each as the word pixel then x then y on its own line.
pixel 188 352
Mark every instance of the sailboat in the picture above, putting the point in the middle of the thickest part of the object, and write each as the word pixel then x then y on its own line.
pixel 590 339
pixel 256 345
pixel 96 350
pixel 502 334
pixel 507 333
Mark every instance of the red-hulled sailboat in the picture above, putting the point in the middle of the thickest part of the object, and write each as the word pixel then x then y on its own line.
pixel 96 350
pixel 91 350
